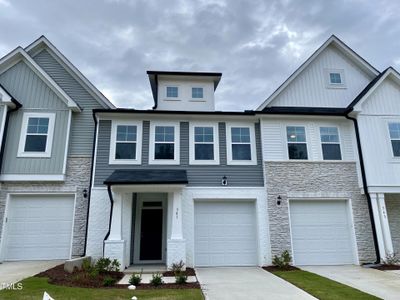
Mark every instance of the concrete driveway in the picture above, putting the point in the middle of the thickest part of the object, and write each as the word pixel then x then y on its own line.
pixel 12 272
pixel 245 283
pixel 385 285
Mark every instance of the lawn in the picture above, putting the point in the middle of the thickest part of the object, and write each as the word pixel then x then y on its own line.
pixel 34 287
pixel 321 287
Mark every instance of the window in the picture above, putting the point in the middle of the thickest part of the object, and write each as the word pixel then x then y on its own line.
pixel 330 143
pixel 241 145
pixel 172 92
pixel 335 78
pixel 394 131
pixel 36 135
pixel 204 143
pixel 164 147
pixel 197 93
pixel 297 145
pixel 125 142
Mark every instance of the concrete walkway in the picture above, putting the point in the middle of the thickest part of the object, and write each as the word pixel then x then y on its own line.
pixel 12 272
pixel 385 285
pixel 246 283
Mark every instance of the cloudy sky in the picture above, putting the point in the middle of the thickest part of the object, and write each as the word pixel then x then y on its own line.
pixel 255 44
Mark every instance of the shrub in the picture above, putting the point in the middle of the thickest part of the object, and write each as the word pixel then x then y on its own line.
pixel 86 265
pixel 109 281
pixel 282 261
pixel 136 278
pixel 181 278
pixel 391 259
pixel 105 264
pixel 177 267
pixel 156 279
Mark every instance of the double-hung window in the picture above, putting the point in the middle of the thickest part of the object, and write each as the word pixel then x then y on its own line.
pixel 36 135
pixel 330 143
pixel 394 132
pixel 297 143
pixel 204 144
pixel 125 143
pixel 164 146
pixel 241 145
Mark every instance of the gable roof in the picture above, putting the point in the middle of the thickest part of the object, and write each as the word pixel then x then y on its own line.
pixel 19 54
pixel 43 43
pixel 333 40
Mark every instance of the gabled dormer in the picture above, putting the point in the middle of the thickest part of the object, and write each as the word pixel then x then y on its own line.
pixel 184 91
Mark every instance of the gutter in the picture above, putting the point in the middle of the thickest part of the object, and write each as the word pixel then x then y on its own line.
pixel 365 187
pixel 111 212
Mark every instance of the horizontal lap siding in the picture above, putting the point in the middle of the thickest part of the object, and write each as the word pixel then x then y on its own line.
pixel 249 175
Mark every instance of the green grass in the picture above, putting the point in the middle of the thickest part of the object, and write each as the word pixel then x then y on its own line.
pixel 321 287
pixel 34 287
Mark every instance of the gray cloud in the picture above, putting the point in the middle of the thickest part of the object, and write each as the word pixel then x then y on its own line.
pixel 255 44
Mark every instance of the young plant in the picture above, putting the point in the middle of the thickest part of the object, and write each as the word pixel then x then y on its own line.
pixel 87 265
pixel 105 264
pixel 109 281
pixel 181 278
pixel 177 267
pixel 282 261
pixel 136 278
pixel 156 279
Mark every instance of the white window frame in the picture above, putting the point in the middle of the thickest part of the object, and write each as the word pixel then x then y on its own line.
pixel 166 86
pixel 113 142
pixel 329 84
pixel 197 99
pixel 253 151
pixel 287 142
pixel 390 139
pixel 192 143
pixel 176 160
pixel 337 143
pixel 24 133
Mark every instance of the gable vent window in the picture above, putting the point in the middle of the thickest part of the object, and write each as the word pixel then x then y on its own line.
pixel 330 143
pixel 394 131
pixel 197 93
pixel 297 144
pixel 335 78
pixel 172 92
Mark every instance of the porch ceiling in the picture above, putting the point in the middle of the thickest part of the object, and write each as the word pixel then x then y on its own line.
pixel 148 176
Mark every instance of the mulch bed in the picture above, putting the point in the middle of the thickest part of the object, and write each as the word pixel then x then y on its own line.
pixel 147 286
pixel 387 267
pixel 188 272
pixel 274 269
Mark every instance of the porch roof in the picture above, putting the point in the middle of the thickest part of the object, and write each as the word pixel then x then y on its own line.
pixel 151 176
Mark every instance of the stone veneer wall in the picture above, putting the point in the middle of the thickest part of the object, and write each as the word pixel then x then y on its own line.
pixel 393 210
pixel 77 179
pixel 315 180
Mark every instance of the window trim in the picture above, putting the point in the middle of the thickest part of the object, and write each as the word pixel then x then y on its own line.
pixel 192 160
pixel 331 85
pixel 253 150
pixel 166 86
pixel 176 160
pixel 24 133
pixel 396 121
pixel 113 143
pixel 287 142
pixel 334 143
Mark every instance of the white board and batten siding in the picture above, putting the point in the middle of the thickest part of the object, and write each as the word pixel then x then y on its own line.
pixel 274 137
pixel 310 89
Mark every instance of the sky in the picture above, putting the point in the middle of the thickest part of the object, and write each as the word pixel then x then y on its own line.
pixel 255 44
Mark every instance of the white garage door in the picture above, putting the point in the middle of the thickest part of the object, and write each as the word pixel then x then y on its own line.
pixel 39 227
pixel 225 234
pixel 321 232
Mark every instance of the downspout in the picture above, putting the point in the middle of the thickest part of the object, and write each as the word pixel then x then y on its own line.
pixel 91 181
pixel 110 196
pixel 365 187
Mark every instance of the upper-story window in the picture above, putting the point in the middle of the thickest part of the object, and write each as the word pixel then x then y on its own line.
pixel 394 131
pixel 172 92
pixel 330 143
pixel 204 143
pixel 241 144
pixel 335 78
pixel 164 145
pixel 197 93
pixel 36 135
pixel 297 143
pixel 125 142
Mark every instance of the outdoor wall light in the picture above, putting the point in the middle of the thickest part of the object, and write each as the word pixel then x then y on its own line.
pixel 278 200
pixel 85 193
pixel 224 181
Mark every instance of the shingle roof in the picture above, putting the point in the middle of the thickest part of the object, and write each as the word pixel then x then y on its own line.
pixel 152 176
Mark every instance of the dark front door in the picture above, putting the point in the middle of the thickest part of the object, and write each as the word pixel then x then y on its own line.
pixel 151 234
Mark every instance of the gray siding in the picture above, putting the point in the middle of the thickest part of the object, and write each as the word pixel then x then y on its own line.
pixel 36 96
pixel 81 139
pixel 249 175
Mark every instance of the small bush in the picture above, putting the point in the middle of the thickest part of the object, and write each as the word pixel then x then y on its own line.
pixel 177 267
pixel 156 279
pixel 86 265
pixel 105 264
pixel 136 278
pixel 282 261
pixel 93 273
pixel 109 281
pixel 391 259
pixel 181 278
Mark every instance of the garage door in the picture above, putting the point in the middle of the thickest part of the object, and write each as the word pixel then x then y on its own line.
pixel 225 234
pixel 39 227
pixel 321 232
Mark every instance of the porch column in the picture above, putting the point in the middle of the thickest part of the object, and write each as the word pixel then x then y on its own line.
pixel 387 237
pixel 114 246
pixel 176 245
